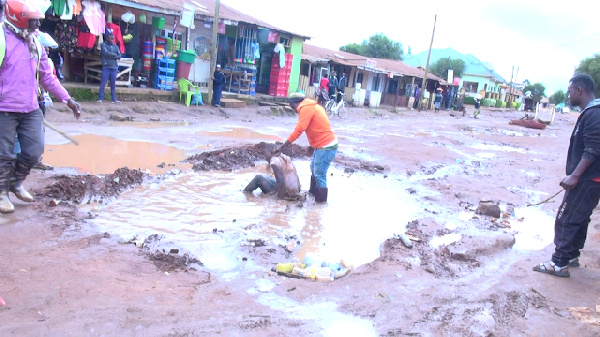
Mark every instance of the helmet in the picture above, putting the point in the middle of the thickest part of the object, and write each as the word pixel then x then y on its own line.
pixel 19 12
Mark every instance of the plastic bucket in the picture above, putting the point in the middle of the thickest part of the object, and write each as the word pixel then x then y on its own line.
pixel 147 65
pixel 187 56
pixel 158 22
pixel 183 69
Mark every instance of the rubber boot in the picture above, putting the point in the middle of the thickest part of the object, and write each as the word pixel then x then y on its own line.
pixel 5 205
pixel 20 192
pixel 321 194
pixel 313 184
pixel 21 172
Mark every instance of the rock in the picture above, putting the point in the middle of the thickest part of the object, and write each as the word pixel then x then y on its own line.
pixel 276 110
pixel 120 118
pixel 489 208
pixel 265 104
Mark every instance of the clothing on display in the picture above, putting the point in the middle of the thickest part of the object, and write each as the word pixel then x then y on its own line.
pixel 94 16
pixel 279 48
pixel 116 31
pixel 65 35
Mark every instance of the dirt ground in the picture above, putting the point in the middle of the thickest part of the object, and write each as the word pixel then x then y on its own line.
pixel 57 277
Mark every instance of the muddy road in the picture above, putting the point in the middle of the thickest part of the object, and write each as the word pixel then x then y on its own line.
pixel 202 265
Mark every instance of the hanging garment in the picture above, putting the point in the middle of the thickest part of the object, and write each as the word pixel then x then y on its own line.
pixel 59 7
pixel 279 48
pixel 256 50
pixel 94 17
pixel 65 35
pixel 116 30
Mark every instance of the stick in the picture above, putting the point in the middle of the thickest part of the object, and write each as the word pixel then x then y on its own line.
pixel 64 134
pixel 541 202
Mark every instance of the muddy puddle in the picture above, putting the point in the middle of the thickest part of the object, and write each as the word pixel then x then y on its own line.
pixel 103 155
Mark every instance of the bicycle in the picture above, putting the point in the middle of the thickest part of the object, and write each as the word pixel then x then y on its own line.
pixel 341 108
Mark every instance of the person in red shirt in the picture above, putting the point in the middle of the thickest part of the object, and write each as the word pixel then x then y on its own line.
pixel 323 90
pixel 313 120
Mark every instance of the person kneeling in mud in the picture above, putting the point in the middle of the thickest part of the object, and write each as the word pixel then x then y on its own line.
pixel 285 182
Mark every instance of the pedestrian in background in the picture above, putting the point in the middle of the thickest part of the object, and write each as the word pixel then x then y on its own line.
pixel 110 54
pixel 218 83
pixel 582 183
pixel 333 83
pixel 341 87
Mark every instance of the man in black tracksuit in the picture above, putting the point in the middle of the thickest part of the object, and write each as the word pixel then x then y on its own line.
pixel 582 183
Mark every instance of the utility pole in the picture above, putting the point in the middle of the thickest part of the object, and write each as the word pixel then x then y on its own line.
pixel 509 98
pixel 424 86
pixel 213 50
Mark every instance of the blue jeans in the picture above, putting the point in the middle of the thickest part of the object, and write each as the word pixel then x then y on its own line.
pixel 30 130
pixel 108 74
pixel 320 164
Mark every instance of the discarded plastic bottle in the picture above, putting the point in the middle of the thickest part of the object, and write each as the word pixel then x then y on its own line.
pixel 127 238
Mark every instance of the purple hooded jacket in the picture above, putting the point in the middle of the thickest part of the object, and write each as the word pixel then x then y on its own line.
pixel 18 84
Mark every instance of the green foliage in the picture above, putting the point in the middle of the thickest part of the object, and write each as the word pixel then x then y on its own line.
pixel 440 67
pixel 513 105
pixel 488 102
pixel 503 105
pixel 469 100
pixel 591 66
pixel 537 89
pixel 378 46
pixel 82 94
pixel 518 105
pixel 558 97
pixel 499 103
pixel 353 48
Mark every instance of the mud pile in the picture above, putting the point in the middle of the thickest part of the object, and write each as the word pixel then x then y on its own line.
pixel 235 158
pixel 82 188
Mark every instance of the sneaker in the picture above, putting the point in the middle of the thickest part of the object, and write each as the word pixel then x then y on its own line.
pixel 99 101
pixel 116 101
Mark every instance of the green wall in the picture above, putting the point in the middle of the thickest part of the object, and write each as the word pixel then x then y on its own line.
pixel 296 50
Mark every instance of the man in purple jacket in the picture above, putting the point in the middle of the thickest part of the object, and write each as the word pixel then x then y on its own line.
pixel 24 65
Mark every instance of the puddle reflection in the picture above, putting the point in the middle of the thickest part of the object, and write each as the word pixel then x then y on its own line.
pixel 103 155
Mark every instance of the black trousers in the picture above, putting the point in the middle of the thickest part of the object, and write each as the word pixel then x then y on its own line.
pixel 572 220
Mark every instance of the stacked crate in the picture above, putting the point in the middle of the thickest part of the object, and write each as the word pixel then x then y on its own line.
pixel 280 76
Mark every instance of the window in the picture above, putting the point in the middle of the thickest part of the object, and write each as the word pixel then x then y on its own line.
pixel 470 86
pixel 376 82
pixel 359 79
pixel 286 41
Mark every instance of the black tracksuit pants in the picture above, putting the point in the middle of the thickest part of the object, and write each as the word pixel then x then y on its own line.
pixel 572 219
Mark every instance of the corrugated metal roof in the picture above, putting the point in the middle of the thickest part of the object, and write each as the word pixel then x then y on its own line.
pixel 205 8
pixel 316 54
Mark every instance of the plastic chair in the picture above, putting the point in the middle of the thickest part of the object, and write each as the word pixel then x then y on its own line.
pixel 188 89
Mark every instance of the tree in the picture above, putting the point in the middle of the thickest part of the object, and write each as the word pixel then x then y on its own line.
pixel 591 66
pixel 353 48
pixel 537 90
pixel 377 46
pixel 558 97
pixel 440 67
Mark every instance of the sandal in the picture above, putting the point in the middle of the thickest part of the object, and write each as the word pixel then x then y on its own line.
pixel 574 262
pixel 552 269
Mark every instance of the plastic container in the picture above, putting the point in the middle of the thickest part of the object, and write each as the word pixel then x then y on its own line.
pixel 187 56
pixel 183 69
pixel 158 22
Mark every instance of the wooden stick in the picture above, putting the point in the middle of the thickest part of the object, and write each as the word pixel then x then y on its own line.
pixel 64 134
pixel 541 202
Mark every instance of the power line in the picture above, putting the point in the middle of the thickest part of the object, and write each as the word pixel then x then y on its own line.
pixel 573 42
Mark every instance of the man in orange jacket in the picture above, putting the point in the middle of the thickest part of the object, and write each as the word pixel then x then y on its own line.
pixel 313 120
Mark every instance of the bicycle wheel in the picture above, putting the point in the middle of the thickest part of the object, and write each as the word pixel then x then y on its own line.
pixel 329 108
pixel 343 110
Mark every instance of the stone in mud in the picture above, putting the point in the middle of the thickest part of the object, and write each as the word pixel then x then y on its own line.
pixel 120 118
pixel 489 208
pixel 276 110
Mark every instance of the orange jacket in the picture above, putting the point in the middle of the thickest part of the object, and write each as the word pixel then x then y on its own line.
pixel 313 119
